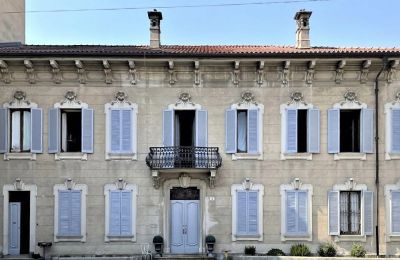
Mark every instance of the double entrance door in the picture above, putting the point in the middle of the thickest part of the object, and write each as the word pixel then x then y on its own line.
pixel 185 221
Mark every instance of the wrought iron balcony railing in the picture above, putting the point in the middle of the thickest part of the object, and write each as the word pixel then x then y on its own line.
pixel 187 157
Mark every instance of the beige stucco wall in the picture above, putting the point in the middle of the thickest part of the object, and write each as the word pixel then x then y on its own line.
pixel 12 25
pixel 153 93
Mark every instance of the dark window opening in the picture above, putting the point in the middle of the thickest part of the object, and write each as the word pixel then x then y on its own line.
pixel 350 212
pixel 350 131
pixel 184 127
pixel 301 130
pixel 190 193
pixel 242 131
pixel 20 134
pixel 71 128
pixel 24 198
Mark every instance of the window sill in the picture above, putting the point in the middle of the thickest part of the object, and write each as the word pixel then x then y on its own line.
pixel 115 156
pixel 302 237
pixel 296 156
pixel 111 238
pixel 61 238
pixel 20 156
pixel 355 238
pixel 392 156
pixel 247 156
pixel 350 156
pixel 247 237
pixel 393 238
pixel 70 156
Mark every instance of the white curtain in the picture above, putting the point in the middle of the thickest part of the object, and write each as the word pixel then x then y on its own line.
pixel 64 132
pixel 27 131
pixel 242 131
pixel 344 205
pixel 177 131
pixel 355 211
pixel 16 130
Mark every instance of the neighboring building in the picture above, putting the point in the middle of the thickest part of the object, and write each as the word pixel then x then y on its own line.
pixel 107 146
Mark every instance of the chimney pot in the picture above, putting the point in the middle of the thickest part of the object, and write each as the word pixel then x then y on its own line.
pixel 155 31
pixel 303 29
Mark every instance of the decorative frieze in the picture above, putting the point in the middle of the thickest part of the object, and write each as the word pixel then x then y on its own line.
pixel 30 71
pixel 247 98
pixel 20 100
pixel 364 71
pixel 184 99
pixel 5 73
pixel 340 71
pixel 121 98
pixel 350 97
pixel 56 71
pixel 81 71
pixel 297 98
pixel 107 71
pixel 70 99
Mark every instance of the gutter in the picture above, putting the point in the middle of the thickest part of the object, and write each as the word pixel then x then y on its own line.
pixel 384 65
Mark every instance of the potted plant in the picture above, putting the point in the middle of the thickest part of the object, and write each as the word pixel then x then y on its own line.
pixel 210 242
pixel 158 242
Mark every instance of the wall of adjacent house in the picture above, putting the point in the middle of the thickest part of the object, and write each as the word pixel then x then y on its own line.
pixel 12 25
pixel 152 94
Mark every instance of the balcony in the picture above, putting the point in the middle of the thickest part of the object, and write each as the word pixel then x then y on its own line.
pixel 183 159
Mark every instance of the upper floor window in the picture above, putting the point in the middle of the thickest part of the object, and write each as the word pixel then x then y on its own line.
pixel 300 123
pixel 243 125
pixel 121 128
pixel 350 128
pixel 20 128
pixel 392 136
pixel 70 129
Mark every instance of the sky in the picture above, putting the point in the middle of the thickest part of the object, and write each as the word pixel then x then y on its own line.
pixel 339 23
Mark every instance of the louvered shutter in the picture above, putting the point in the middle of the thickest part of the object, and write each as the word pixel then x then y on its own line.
pixel 64 221
pixel 291 212
pixel 253 131
pixel 368 213
pixel 291 130
pixel 115 130
pixel 134 131
pixel 87 130
pixel 126 131
pixel 3 130
pixel 333 130
pixel 168 127
pixel 241 213
pixel 395 130
pixel 54 130
pixel 252 204
pixel 395 212
pixel 333 213
pixel 115 213
pixel 231 131
pixel 302 212
pixel 367 120
pixel 36 130
pixel 126 213
pixel 313 130
pixel 75 212
pixel 201 128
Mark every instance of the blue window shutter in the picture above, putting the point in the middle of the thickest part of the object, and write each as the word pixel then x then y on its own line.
pixel 126 213
pixel 253 131
pixel 333 213
pixel 54 130
pixel 87 130
pixel 367 132
pixel 115 130
pixel 126 131
pixel 313 130
pixel 333 130
pixel 395 130
pixel 115 213
pixel 134 131
pixel 201 128
pixel 395 212
pixel 302 212
pixel 368 213
pixel 36 130
pixel 231 131
pixel 252 212
pixel 3 130
pixel 168 127
pixel 241 212
pixel 64 220
pixel 75 212
pixel 291 222
pixel 291 130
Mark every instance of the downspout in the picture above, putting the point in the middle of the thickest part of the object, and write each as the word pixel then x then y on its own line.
pixel 384 61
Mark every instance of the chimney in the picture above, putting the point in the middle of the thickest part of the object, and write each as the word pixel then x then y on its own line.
pixel 303 29
pixel 155 31
pixel 12 25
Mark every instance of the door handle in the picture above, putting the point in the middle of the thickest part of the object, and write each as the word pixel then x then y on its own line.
pixel 184 230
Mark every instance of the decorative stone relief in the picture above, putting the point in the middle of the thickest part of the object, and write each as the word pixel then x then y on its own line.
pixel 70 99
pixel 247 184
pixel 30 71
pixel 56 71
pixel 350 97
pixel 156 179
pixel 260 73
pixel 5 73
pixel 81 72
pixel 350 184
pixel 391 73
pixel 396 99
pixel 107 72
pixel 19 184
pixel 340 71
pixel 197 79
pixel 120 184
pixel 297 98
pixel 211 179
pixel 172 74
pixel 19 99
pixel 184 180
pixel 296 184
pixel 121 98
pixel 132 72
pixel 69 184
pixel 236 73
pixel 364 71
pixel 184 99
pixel 285 73
pixel 247 98
pixel 310 72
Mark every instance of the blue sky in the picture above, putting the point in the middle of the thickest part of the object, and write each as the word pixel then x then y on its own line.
pixel 364 23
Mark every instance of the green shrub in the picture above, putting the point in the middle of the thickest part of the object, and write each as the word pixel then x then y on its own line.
pixel 275 252
pixel 300 250
pixel 327 249
pixel 250 250
pixel 357 250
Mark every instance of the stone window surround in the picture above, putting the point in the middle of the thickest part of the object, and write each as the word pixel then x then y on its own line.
pixel 70 185
pixel 390 237
pixel 296 185
pixel 120 184
pixel 247 185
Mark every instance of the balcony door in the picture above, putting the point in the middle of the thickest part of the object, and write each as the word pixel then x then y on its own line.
pixel 185 128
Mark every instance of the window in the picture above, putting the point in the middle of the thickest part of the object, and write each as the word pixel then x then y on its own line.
pixel 120 221
pixel 20 129
pixel 70 212
pixel 121 128
pixel 350 212
pixel 71 129
pixel 392 207
pixel 247 210
pixel 392 136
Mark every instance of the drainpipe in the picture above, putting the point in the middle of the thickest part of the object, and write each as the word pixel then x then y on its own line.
pixel 384 61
